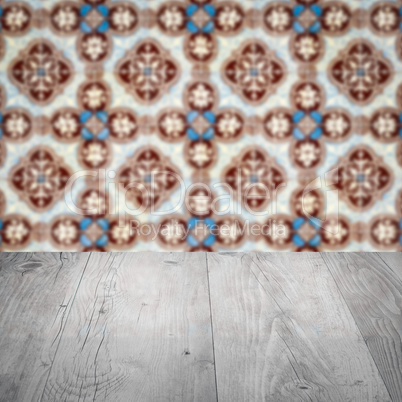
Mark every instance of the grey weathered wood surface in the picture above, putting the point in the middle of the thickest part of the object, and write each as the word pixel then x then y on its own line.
pixel 202 327
pixel 373 292
pixel 139 330
pixel 283 332
pixel 36 292
pixel 393 261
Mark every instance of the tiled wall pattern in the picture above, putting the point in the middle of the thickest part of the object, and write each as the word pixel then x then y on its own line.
pixel 201 125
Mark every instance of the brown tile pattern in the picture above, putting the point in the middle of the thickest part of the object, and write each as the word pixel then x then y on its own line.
pixel 201 125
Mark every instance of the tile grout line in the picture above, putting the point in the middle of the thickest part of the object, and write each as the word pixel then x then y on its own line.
pixel 357 325
pixel 65 323
pixel 212 327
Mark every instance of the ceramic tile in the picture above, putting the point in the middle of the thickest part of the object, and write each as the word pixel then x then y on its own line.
pixel 200 125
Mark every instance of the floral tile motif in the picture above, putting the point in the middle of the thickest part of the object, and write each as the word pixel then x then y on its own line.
pixel 361 72
pixel 154 175
pixel 147 71
pixel 251 174
pixel 254 72
pixel 363 178
pixel 40 178
pixel 40 72
pixel 93 23
pixel 200 125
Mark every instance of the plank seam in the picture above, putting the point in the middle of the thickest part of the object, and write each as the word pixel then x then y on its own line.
pixel 357 325
pixel 212 327
pixel 382 259
pixel 65 322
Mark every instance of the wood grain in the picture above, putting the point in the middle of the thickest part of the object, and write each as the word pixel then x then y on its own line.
pixel 373 293
pixel 282 332
pixel 127 327
pixel 36 293
pixel 391 260
pixel 139 330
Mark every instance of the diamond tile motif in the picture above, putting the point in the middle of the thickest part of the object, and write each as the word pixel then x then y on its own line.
pixel 361 72
pixel 254 72
pixel 39 178
pixel 40 72
pixel 147 72
pixel 200 125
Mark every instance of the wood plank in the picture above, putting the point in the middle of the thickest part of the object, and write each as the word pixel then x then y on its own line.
pixel 392 260
pixel 139 330
pixel 36 293
pixel 282 332
pixel 373 293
